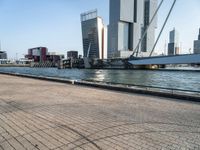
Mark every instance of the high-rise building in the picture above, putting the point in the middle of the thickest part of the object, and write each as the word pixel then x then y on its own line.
pixel 150 7
pixel 197 45
pixel 3 55
pixel 128 21
pixel 173 46
pixel 94 35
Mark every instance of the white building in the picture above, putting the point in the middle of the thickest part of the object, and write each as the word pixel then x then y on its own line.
pixel 128 21
pixel 94 34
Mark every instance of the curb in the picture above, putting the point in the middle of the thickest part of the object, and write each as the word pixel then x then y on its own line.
pixel 120 88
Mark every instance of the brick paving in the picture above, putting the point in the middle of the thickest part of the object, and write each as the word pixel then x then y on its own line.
pixel 42 115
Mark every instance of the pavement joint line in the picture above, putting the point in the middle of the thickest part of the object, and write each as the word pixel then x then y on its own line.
pixel 118 114
pixel 15 137
pixel 139 132
pixel 22 135
pixel 27 134
pixel 129 133
pixel 9 143
pixel 51 122
pixel 35 132
pixel 171 123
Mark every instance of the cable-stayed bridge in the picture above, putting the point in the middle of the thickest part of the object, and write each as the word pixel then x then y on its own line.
pixel 166 60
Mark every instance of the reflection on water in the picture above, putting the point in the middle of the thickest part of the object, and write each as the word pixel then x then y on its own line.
pixel 166 79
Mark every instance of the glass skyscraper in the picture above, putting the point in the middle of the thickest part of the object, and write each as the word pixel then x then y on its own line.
pixel 94 35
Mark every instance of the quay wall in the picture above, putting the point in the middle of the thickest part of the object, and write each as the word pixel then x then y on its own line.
pixel 14 65
pixel 167 93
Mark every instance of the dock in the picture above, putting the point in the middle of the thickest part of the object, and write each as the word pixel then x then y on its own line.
pixel 43 115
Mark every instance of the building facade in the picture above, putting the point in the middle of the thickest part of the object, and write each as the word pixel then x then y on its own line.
pixel 94 35
pixel 128 20
pixel 150 7
pixel 41 55
pixel 173 46
pixel 54 57
pixel 3 55
pixel 197 45
pixel 72 54
pixel 38 54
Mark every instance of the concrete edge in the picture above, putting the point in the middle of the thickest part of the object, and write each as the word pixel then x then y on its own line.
pixel 111 87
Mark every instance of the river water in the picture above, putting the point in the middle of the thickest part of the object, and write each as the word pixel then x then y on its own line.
pixel 183 80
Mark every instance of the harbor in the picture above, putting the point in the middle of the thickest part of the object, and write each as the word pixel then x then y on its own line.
pixel 61 116
pixel 182 80
pixel 99 75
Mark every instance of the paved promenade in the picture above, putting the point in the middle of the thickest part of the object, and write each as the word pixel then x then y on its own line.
pixel 42 115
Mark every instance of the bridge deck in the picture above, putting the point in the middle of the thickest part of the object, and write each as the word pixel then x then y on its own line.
pixel 164 60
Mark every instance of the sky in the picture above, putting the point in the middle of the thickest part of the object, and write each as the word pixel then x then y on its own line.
pixel 55 24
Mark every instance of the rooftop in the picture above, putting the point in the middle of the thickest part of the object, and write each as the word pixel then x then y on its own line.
pixel 89 15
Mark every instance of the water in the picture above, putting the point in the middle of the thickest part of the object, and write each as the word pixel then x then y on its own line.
pixel 184 80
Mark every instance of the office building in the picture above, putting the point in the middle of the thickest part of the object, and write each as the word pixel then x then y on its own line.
pixel 3 55
pixel 94 35
pixel 72 54
pixel 173 46
pixel 150 7
pixel 128 20
pixel 38 54
pixel 197 45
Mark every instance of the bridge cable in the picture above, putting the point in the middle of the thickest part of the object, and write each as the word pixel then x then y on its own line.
pixel 163 27
pixel 144 34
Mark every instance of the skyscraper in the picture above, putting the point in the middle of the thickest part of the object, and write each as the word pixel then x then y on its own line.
pixel 94 35
pixel 173 46
pixel 197 45
pixel 150 7
pixel 128 20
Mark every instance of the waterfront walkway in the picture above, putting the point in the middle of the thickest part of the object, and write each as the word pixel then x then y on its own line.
pixel 42 115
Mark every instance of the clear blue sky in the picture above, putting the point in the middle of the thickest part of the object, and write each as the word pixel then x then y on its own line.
pixel 56 23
